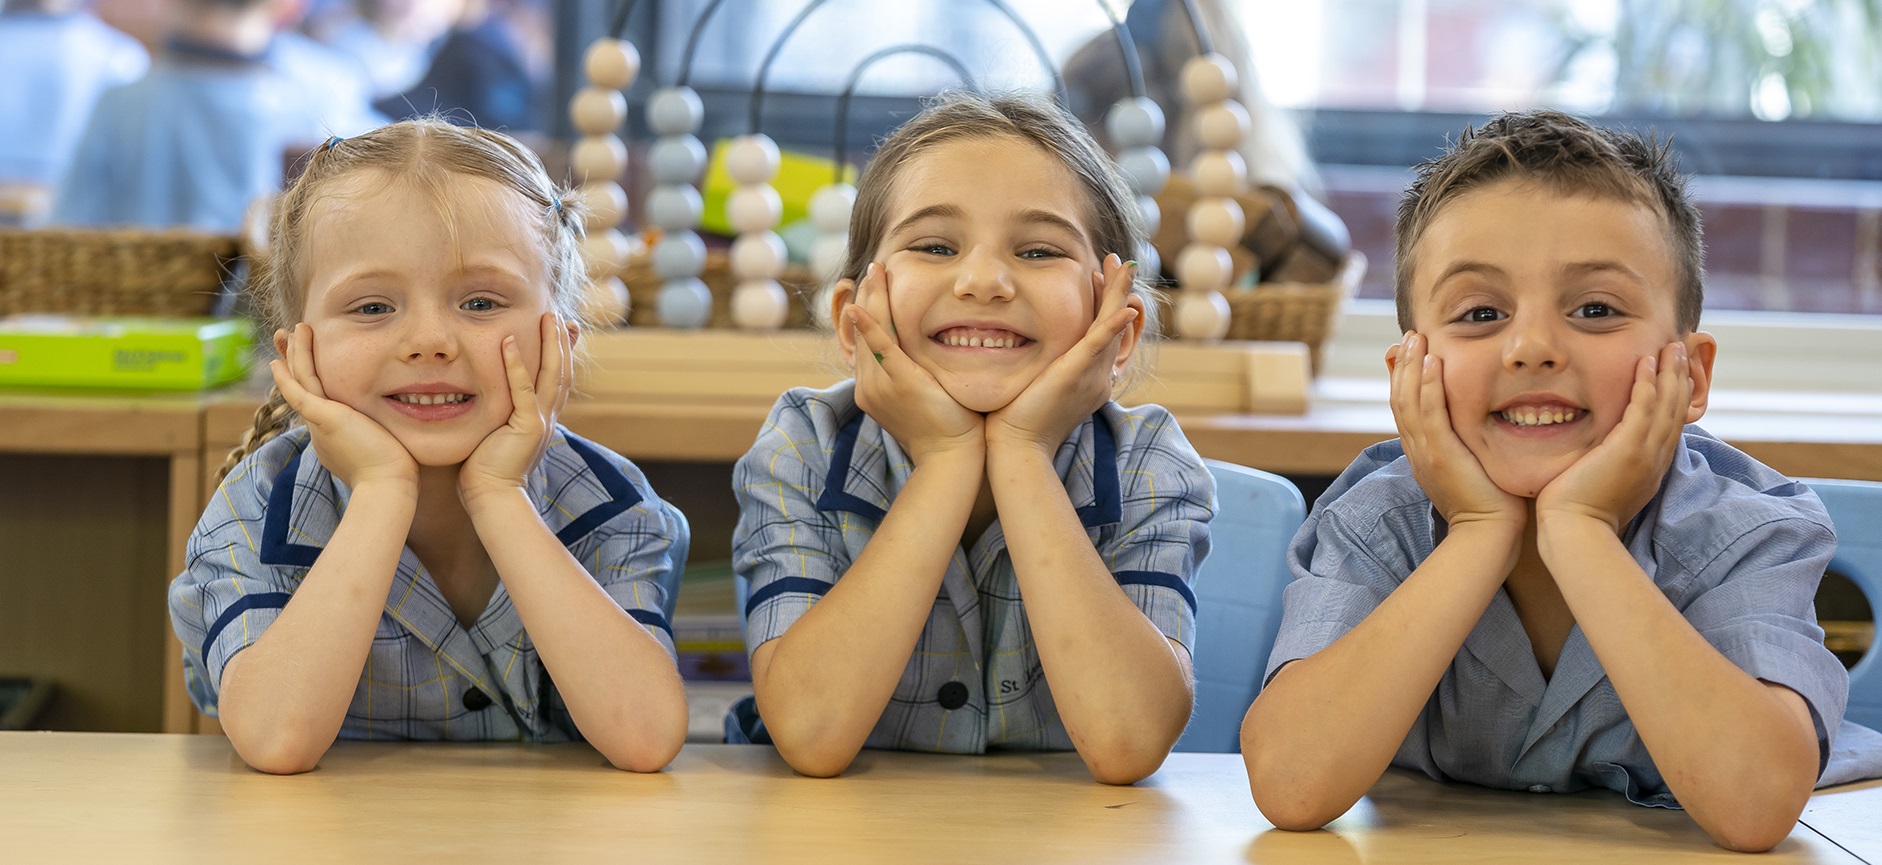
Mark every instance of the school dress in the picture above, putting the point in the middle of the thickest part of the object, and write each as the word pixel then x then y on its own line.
pixel 819 480
pixel 1735 546
pixel 55 67
pixel 427 676
pixel 188 145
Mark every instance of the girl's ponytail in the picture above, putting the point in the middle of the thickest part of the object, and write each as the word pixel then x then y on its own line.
pixel 271 419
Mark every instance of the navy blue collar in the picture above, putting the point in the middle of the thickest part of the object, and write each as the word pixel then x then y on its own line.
pixel 191 52
pixel 306 502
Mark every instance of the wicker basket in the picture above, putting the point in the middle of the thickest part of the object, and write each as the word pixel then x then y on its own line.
pixel 1296 311
pixel 113 272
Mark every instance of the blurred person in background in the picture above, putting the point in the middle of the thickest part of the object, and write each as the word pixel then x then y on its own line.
pixel 201 135
pixel 492 70
pixel 394 40
pixel 56 59
pixel 335 81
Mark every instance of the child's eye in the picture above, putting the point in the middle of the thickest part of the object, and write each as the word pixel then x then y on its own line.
pixel 1594 310
pixel 373 308
pixel 1482 314
pixel 933 248
pixel 479 304
pixel 1041 253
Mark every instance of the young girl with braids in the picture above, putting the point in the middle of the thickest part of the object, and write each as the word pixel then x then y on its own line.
pixel 408 546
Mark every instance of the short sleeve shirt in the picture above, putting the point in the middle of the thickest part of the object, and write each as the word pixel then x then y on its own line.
pixel 822 476
pixel 427 676
pixel 1736 547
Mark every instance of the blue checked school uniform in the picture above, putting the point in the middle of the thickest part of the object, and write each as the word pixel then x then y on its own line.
pixel 822 476
pixel 427 676
pixel 1736 547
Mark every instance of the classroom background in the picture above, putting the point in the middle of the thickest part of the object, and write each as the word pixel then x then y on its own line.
pixel 1774 105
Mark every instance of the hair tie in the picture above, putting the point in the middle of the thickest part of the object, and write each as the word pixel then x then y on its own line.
pixel 558 205
pixel 332 141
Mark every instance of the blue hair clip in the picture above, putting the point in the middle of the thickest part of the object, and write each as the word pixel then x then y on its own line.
pixel 558 204
pixel 332 141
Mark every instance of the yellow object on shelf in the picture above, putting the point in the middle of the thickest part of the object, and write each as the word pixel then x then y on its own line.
pixel 799 177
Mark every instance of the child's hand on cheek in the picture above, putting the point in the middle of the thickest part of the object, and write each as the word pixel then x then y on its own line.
pixel 1077 383
pixel 895 390
pixel 1619 476
pixel 1445 469
pixel 354 447
pixel 506 456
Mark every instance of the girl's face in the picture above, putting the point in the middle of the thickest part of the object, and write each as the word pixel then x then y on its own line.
pixel 989 261
pixel 410 298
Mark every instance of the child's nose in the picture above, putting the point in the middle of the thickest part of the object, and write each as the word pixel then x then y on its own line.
pixel 1532 344
pixel 984 276
pixel 428 335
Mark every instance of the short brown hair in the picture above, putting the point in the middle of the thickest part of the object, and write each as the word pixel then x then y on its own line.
pixel 1572 156
pixel 1111 207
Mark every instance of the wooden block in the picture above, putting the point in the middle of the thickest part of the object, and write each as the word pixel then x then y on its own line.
pixel 710 366
pixel 1241 377
pixel 733 368
pixel 1279 377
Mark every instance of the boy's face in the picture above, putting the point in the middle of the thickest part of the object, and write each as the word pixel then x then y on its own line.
pixel 1540 305
pixel 990 263
pixel 409 312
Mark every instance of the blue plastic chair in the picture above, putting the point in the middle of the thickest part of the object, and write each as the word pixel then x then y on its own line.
pixel 1856 509
pixel 1238 599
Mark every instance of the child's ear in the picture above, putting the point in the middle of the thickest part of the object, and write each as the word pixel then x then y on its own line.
pixel 1701 349
pixel 842 295
pixel 1133 336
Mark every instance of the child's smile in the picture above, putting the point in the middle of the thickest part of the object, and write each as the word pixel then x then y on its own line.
pixel 982 337
pixel 431 401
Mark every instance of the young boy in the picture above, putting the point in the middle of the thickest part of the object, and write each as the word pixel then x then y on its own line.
pixel 1549 582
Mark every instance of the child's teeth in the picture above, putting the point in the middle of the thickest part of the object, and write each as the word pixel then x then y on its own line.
pixel 1533 417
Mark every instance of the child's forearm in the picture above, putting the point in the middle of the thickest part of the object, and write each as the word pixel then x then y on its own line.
pixel 1123 690
pixel 622 688
pixel 1327 726
pixel 823 685
pixel 1738 753
pixel 283 699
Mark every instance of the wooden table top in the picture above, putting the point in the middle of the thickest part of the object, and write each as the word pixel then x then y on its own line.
pixel 84 797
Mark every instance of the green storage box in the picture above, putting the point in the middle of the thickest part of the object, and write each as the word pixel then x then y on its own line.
pixel 127 353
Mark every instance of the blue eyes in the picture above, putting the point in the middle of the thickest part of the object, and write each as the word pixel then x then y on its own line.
pixel 377 308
